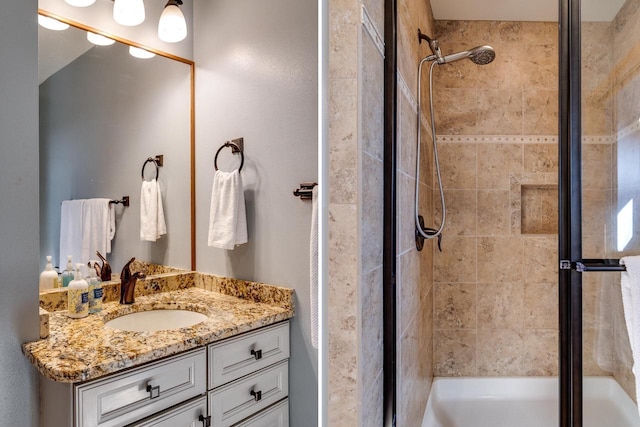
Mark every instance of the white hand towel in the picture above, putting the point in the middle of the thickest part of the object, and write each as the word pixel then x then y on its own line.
pixel 70 231
pixel 313 250
pixel 228 217
pixel 630 283
pixel 96 228
pixel 152 224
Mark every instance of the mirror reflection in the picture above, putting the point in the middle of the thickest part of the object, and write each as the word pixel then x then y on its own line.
pixel 103 114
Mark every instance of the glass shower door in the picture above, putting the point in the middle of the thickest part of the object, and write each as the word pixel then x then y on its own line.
pixel 599 204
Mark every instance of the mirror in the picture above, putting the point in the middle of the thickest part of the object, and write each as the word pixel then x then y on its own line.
pixel 103 113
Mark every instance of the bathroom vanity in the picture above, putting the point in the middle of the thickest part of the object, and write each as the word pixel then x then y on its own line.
pixel 229 370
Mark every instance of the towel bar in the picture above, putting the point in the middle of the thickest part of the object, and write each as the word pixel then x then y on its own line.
pixel 305 190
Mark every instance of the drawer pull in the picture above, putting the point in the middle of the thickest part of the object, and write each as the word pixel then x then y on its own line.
pixel 206 421
pixel 154 392
pixel 257 395
pixel 256 353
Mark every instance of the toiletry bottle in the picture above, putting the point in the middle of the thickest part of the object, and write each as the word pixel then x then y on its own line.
pixel 95 289
pixel 78 295
pixel 67 274
pixel 49 277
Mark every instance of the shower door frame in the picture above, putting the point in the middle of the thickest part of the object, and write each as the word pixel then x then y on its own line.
pixel 569 214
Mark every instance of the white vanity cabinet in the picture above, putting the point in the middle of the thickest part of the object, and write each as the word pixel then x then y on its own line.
pixel 247 375
pixel 239 381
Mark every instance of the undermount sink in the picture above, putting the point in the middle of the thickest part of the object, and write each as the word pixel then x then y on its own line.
pixel 156 320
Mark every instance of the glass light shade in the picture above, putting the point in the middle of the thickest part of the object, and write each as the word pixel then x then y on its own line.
pixel 128 12
pixel 172 26
pixel 140 53
pixel 99 39
pixel 80 3
pixel 51 24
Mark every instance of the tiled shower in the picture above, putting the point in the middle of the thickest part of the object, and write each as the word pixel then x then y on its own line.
pixel 487 305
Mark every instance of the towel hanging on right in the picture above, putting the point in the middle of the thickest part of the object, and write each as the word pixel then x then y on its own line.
pixel 630 284
pixel 228 217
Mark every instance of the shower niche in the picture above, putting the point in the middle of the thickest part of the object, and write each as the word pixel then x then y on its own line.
pixel 534 207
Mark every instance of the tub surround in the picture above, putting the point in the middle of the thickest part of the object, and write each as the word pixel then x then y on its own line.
pixel 83 349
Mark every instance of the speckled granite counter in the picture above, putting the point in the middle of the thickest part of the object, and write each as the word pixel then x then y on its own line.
pixel 83 349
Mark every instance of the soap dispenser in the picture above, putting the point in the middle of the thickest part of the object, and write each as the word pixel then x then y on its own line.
pixel 95 288
pixel 49 277
pixel 67 274
pixel 78 295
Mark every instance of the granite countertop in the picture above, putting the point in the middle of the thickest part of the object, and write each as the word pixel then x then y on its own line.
pixel 83 349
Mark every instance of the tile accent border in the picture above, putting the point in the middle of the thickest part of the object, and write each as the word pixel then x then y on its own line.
pixel 521 139
pixel 633 127
pixel 372 31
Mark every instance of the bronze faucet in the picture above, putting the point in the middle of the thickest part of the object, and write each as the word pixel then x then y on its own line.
pixel 128 283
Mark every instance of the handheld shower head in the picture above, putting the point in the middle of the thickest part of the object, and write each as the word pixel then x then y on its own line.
pixel 481 55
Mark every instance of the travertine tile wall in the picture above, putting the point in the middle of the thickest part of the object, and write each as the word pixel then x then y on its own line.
pixel 495 283
pixel 414 269
pixel 355 215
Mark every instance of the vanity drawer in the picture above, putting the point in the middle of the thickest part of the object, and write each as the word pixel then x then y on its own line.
pixel 186 415
pixel 275 416
pixel 237 357
pixel 247 396
pixel 133 395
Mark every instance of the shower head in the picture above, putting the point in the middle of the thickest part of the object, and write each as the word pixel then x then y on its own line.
pixel 480 55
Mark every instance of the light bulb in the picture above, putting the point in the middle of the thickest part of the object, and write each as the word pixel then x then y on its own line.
pixel 51 24
pixel 128 12
pixel 80 3
pixel 99 39
pixel 172 26
pixel 140 53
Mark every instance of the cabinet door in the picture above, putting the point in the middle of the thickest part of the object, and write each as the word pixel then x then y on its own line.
pixel 249 395
pixel 186 415
pixel 136 394
pixel 275 416
pixel 237 357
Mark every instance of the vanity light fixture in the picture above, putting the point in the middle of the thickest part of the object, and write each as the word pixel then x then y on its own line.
pixel 128 12
pixel 140 53
pixel 99 39
pixel 172 26
pixel 51 24
pixel 80 3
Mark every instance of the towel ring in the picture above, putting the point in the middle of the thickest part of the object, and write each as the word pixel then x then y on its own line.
pixel 152 160
pixel 234 148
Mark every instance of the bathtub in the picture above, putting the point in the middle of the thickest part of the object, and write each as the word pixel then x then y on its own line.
pixel 523 402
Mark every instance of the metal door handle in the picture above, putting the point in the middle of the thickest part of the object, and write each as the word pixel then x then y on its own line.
pixel 257 354
pixel 154 392
pixel 257 395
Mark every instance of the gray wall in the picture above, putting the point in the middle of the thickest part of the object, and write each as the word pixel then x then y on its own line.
pixel 256 78
pixel 100 15
pixel 18 210
pixel 101 117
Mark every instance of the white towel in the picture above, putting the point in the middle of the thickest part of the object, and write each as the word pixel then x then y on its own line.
pixel 70 231
pixel 630 283
pixel 97 230
pixel 152 224
pixel 227 216
pixel 313 262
